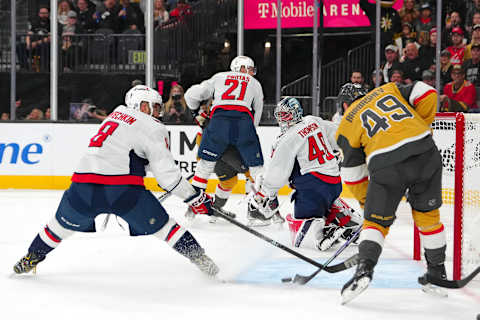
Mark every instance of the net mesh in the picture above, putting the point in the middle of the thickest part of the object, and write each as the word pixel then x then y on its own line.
pixel 444 133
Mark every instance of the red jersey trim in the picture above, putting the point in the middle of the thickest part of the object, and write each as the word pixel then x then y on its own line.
pixel 416 101
pixel 232 107
pixel 107 180
pixel 327 179
pixel 356 182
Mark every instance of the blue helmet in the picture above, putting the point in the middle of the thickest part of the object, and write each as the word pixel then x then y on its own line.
pixel 288 112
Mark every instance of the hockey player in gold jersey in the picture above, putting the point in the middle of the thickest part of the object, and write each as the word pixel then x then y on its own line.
pixel 388 152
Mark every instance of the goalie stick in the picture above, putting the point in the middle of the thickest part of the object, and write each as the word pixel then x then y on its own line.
pixel 453 284
pixel 350 262
pixel 330 269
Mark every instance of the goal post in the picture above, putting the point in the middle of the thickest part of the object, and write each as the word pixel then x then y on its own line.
pixel 457 136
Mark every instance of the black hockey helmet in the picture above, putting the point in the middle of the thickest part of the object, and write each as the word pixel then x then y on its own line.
pixel 350 92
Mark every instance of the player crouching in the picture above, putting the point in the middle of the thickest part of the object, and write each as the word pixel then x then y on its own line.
pixel 304 155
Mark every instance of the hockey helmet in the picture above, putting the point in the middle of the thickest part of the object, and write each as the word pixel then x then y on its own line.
pixel 243 61
pixel 140 93
pixel 350 92
pixel 288 112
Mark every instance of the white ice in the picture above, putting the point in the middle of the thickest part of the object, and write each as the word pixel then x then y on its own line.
pixel 109 275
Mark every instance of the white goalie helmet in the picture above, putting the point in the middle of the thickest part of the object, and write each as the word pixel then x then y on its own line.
pixel 243 61
pixel 288 112
pixel 140 93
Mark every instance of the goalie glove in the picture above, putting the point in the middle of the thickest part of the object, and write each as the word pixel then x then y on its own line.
pixel 200 203
pixel 267 206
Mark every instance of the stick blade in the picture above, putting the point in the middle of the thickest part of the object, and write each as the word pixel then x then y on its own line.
pixel 299 279
pixel 453 284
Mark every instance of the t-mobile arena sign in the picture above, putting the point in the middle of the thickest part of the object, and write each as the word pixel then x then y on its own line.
pixel 262 14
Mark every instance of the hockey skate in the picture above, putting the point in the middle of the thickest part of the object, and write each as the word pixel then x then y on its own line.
pixel 255 218
pixel 437 271
pixel 28 263
pixel 206 265
pixel 277 218
pixel 360 281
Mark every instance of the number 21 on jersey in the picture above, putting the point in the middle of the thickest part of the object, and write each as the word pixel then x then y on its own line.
pixel 232 85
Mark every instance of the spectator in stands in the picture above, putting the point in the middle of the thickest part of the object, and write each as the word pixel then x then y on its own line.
pixel 85 15
pixel 373 79
pixel 445 68
pixel 474 7
pixel 47 114
pixel 391 63
pixel 160 13
pixel 181 11
pixel 454 20
pixel 428 77
pixel 64 7
pixel 95 113
pixel 425 22
pixel 131 17
pixel 35 114
pixel 37 42
pixel 457 49
pixel 108 17
pixel 475 39
pixel 472 66
pixel 391 25
pixel 357 77
pixel 176 110
pixel 428 52
pixel 5 116
pixel 412 65
pixel 408 13
pixel 397 77
pixel 459 95
pixel 408 35
pixel 71 44
pixel 21 111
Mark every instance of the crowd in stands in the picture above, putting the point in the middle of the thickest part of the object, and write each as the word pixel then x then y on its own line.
pixel 408 40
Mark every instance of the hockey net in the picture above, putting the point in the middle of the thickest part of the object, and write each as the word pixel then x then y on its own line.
pixel 457 136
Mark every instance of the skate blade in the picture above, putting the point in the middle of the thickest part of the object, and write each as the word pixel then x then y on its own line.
pixel 348 294
pixel 258 223
pixel 434 290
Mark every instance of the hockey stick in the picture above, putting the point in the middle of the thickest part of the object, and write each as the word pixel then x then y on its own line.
pixel 350 262
pixel 161 198
pixel 331 269
pixel 453 284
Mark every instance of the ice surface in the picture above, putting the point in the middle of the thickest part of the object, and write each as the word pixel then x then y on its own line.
pixel 109 275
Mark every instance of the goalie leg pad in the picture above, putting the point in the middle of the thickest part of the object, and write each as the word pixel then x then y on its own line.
pixel 305 233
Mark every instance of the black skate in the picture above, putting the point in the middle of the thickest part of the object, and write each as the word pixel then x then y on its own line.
pixel 360 281
pixel 256 219
pixel 206 265
pixel 435 271
pixel 28 263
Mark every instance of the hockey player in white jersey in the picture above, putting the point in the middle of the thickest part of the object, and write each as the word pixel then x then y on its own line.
pixel 236 110
pixel 304 155
pixel 109 179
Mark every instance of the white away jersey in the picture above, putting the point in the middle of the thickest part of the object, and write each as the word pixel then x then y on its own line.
pixel 126 142
pixel 311 143
pixel 230 90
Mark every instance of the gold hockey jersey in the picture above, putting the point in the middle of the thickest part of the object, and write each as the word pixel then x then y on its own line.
pixel 388 125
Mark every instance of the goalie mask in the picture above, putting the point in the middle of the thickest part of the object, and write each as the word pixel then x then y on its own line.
pixel 138 94
pixel 288 112
pixel 349 92
pixel 243 61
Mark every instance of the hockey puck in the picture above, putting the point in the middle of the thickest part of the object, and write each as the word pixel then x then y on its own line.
pixel 287 280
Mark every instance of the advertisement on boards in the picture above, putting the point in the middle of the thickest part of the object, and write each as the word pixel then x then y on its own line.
pixel 262 14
